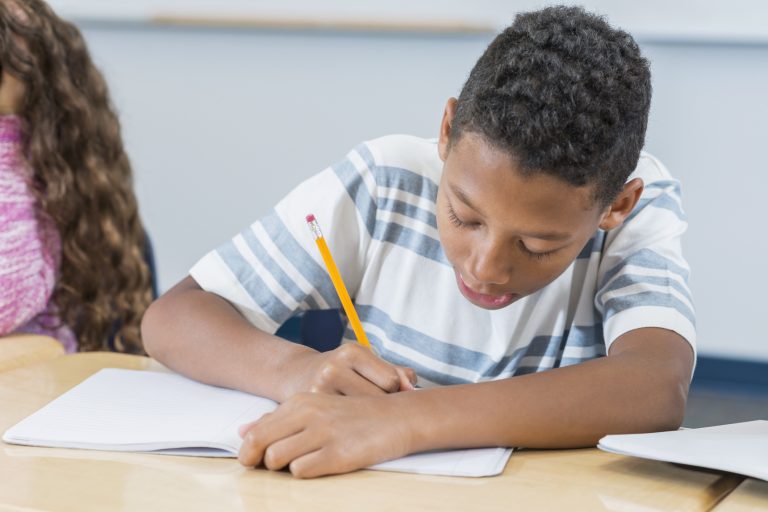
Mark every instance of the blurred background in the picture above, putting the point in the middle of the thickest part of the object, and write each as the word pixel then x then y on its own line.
pixel 227 104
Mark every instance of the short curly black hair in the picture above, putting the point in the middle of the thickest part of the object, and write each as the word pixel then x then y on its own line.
pixel 563 93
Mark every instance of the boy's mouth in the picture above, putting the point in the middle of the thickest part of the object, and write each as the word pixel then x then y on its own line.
pixel 484 300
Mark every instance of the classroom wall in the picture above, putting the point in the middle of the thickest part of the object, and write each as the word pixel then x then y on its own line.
pixel 220 123
pixel 700 20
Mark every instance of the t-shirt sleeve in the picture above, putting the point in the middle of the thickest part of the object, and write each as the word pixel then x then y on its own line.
pixel 643 277
pixel 273 269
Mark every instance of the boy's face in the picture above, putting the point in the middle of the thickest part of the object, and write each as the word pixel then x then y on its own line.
pixel 506 235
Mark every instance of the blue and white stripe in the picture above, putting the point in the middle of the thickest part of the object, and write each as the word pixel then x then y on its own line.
pixel 378 211
pixel 403 212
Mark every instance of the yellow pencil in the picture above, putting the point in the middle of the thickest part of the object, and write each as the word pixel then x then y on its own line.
pixel 341 290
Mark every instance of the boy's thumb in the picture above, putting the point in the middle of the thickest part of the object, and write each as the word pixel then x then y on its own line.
pixel 243 429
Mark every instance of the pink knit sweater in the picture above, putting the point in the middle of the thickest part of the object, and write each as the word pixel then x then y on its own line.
pixel 30 249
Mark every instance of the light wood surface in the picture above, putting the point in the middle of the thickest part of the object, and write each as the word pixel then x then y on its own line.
pixel 77 480
pixel 23 349
pixel 750 496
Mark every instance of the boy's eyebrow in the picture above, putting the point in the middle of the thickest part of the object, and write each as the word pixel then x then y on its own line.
pixel 541 235
pixel 464 199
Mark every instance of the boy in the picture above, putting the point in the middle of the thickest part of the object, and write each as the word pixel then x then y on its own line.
pixel 520 241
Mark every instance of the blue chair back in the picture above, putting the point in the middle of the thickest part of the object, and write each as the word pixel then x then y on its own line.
pixel 320 329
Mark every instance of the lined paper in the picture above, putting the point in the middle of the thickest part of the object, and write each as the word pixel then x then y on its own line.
pixel 131 410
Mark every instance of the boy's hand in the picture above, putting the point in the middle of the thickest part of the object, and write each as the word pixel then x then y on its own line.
pixel 316 434
pixel 347 370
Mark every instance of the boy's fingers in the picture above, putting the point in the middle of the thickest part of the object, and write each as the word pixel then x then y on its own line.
pixel 407 378
pixel 282 452
pixel 242 429
pixel 251 452
pixel 262 433
pixel 366 368
pixel 311 465
pixel 349 382
pixel 378 371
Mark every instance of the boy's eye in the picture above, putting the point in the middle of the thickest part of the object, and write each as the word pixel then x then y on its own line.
pixel 536 255
pixel 457 221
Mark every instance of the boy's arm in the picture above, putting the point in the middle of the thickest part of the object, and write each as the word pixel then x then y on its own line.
pixel 201 335
pixel 640 387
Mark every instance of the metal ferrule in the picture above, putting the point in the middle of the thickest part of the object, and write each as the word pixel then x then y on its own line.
pixel 314 227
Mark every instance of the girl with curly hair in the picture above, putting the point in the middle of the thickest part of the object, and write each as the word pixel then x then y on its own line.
pixel 72 245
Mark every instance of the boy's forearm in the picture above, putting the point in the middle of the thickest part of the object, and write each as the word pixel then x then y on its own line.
pixel 204 337
pixel 562 408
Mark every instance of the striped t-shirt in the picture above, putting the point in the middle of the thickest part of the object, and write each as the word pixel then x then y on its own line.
pixel 377 212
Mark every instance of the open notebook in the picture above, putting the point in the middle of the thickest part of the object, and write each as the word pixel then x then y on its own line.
pixel 143 411
pixel 739 447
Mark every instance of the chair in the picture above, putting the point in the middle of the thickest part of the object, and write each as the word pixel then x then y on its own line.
pixel 149 258
pixel 320 329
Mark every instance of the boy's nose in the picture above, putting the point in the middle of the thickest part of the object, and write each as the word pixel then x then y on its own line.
pixel 491 264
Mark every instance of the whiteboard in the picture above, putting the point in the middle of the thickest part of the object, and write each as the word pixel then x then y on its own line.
pixel 733 21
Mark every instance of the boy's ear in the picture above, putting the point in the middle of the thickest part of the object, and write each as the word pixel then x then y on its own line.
pixel 623 205
pixel 445 128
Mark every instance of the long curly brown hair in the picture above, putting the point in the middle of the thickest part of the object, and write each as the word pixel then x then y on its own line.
pixel 82 177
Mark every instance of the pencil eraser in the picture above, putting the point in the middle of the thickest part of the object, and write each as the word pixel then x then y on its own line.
pixel 310 218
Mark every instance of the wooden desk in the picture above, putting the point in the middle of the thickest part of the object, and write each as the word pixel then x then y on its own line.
pixel 22 349
pixel 59 479
pixel 751 495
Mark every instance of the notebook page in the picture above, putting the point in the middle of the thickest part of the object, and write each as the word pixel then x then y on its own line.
pixel 472 463
pixel 739 447
pixel 132 410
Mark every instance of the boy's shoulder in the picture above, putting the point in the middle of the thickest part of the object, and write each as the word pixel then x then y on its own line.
pixel 650 169
pixel 406 152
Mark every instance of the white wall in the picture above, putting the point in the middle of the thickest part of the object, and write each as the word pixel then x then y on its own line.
pixel 709 125
pixel 732 20
pixel 220 124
